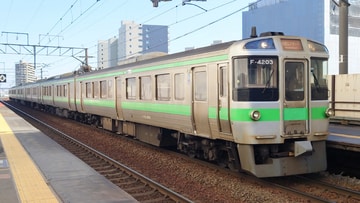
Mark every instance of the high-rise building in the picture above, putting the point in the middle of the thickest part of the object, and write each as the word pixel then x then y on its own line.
pixel 107 53
pixel 24 73
pixel 130 40
pixel 314 19
pixel 133 40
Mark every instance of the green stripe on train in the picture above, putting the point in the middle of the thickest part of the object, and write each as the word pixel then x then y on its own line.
pixel 236 114
pixel 267 114
pixel 159 108
pixel 99 103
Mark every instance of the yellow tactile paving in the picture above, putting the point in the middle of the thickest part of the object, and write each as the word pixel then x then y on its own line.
pixel 30 183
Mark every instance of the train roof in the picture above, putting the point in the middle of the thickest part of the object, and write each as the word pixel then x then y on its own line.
pixel 192 52
pixel 167 57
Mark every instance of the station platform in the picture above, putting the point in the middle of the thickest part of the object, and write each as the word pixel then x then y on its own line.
pixel 34 168
pixel 345 137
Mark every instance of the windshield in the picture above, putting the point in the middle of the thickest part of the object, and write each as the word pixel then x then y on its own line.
pixel 294 81
pixel 255 79
pixel 318 79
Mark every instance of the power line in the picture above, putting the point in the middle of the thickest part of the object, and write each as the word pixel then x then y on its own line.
pixel 66 12
pixel 182 20
pixel 72 21
pixel 213 22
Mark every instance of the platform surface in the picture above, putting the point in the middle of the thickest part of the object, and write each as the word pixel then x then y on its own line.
pixel 346 137
pixel 34 168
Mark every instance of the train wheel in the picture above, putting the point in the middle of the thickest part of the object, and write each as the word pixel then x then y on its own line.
pixel 222 159
pixel 227 159
pixel 191 154
pixel 232 165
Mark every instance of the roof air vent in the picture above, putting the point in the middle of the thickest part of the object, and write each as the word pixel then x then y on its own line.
pixel 265 34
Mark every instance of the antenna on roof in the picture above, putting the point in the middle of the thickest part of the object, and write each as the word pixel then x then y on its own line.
pixel 253 32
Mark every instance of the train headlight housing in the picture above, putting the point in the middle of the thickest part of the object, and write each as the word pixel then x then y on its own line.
pixel 329 112
pixel 255 115
pixel 267 43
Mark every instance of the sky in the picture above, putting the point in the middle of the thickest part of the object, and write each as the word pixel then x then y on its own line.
pixel 81 23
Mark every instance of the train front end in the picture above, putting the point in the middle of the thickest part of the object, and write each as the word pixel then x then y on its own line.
pixel 279 106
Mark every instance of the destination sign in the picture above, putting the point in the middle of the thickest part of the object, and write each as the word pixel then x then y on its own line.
pixel 291 44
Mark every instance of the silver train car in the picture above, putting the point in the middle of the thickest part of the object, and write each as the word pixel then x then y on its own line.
pixel 258 105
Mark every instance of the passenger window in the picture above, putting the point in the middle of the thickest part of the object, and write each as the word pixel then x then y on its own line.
pixel 88 90
pixel 179 81
pixel 65 91
pixel 145 88
pixel 294 81
pixel 110 89
pixel 103 89
pixel 131 88
pixel 200 86
pixel 95 89
pixel 163 87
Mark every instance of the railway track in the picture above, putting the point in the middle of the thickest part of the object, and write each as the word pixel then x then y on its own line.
pixel 315 189
pixel 136 184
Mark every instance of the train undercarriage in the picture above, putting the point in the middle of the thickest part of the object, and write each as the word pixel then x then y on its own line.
pixel 223 153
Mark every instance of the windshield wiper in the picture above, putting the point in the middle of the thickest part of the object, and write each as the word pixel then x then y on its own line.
pixel 267 85
pixel 317 85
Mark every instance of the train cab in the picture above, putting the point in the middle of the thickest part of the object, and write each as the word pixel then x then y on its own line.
pixel 280 105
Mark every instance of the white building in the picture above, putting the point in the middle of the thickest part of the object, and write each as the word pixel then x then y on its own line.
pixel 133 40
pixel 130 40
pixel 24 72
pixel 107 53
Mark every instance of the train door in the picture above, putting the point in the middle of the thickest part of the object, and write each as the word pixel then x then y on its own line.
pixel 118 98
pixel 200 101
pixel 74 94
pixel 82 92
pixel 52 94
pixel 67 91
pixel 223 98
pixel 296 111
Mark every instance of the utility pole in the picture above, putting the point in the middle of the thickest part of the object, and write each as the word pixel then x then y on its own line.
pixel 343 35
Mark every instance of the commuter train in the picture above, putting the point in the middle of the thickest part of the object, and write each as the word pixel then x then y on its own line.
pixel 258 105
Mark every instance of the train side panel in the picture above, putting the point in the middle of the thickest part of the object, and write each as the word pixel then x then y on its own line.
pixel 161 100
pixel 97 95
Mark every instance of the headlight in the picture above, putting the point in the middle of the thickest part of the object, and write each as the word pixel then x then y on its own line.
pixel 329 112
pixel 255 115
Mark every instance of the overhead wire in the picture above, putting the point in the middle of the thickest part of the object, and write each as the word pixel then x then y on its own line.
pixel 33 15
pixel 185 19
pixel 87 10
pixel 9 11
pixel 213 22
pixel 61 18
pixel 204 26
pixel 71 23
pixel 72 20
pixel 180 21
